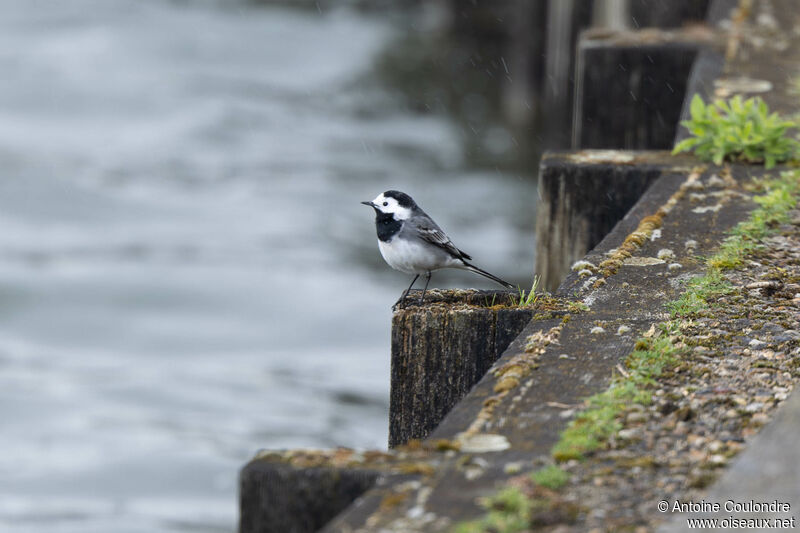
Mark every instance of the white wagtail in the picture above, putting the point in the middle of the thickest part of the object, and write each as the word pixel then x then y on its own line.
pixel 411 242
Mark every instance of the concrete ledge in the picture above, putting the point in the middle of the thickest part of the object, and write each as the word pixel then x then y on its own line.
pixel 583 195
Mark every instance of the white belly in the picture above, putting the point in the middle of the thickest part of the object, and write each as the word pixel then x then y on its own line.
pixel 414 257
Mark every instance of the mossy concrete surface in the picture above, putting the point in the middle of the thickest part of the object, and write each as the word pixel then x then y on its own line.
pixel 569 359
pixel 499 430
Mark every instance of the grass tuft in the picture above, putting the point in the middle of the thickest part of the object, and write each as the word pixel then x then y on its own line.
pixel 529 299
pixel 551 477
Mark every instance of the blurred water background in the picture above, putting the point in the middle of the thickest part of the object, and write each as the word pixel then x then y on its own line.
pixel 186 273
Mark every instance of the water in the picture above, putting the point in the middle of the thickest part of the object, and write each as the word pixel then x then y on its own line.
pixel 186 275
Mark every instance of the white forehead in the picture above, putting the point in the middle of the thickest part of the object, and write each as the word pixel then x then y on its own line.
pixel 392 206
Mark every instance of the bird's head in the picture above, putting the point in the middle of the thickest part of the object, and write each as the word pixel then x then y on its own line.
pixel 395 203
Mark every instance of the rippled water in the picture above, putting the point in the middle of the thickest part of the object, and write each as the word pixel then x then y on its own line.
pixel 186 274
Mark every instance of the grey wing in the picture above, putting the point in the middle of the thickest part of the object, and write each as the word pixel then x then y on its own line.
pixel 429 231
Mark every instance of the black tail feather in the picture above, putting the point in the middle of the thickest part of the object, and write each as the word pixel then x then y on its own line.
pixel 492 277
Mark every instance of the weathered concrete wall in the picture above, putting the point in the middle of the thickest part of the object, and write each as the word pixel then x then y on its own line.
pixel 440 350
pixel 530 47
pixel 629 95
pixel 582 196
pixel 276 497
pixel 667 14
pixel 630 87
pixel 565 20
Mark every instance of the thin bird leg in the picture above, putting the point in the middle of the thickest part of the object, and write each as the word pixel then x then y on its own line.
pixel 403 297
pixel 426 288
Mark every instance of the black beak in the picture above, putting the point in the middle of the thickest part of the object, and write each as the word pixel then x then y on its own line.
pixel 369 204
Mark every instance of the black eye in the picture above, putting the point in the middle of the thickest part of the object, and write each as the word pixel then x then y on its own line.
pixel 385 204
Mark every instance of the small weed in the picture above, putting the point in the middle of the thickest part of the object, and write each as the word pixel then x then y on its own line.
pixel 530 298
pixel 738 129
pixel 486 301
pixel 551 477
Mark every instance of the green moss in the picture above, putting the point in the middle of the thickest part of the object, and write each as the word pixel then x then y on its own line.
pixel 699 292
pixel 645 365
pixel 508 511
pixel 778 198
pixel 766 364
pixel 594 425
pixel 590 429
pixel 551 477
pixel 577 307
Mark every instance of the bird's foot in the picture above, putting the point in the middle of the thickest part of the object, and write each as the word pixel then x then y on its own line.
pixel 399 303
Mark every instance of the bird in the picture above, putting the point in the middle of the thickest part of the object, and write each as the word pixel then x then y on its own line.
pixel 411 242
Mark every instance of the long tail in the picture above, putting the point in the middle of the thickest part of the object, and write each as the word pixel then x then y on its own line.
pixel 473 268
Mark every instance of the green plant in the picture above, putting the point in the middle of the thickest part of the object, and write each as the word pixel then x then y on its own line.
pixel 551 477
pixel 486 301
pixel 530 298
pixel 738 129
